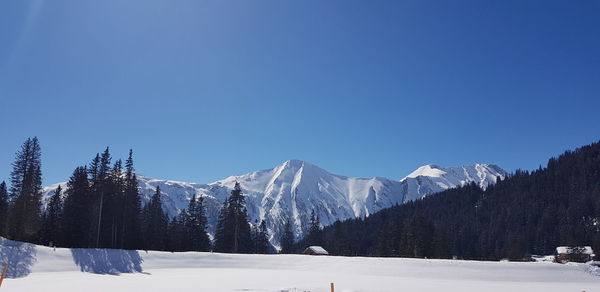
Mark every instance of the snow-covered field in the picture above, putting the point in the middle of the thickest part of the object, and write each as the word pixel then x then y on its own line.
pixel 40 268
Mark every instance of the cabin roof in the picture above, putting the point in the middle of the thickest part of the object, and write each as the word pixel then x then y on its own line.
pixel 316 250
pixel 567 250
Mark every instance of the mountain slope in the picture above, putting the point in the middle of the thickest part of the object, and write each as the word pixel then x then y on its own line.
pixel 527 213
pixel 295 188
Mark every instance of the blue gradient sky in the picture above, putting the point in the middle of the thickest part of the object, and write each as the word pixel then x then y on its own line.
pixel 205 89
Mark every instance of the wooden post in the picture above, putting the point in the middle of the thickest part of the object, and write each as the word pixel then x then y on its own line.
pixel 4 270
pixel 332 288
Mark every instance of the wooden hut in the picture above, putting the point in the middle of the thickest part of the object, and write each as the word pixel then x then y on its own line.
pixel 578 254
pixel 315 250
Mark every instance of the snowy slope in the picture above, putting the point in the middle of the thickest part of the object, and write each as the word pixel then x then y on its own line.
pixel 38 268
pixel 295 188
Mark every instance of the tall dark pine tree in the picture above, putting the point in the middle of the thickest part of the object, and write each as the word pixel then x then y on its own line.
pixel 26 192
pixel 314 230
pixel 178 237
pixel 261 238
pixel 155 223
pixel 287 238
pixel 3 209
pixel 106 195
pixel 196 225
pixel 233 230
pixel 77 216
pixel 132 207
pixel 52 220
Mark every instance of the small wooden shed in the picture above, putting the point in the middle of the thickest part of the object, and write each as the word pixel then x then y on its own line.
pixel 315 250
pixel 578 254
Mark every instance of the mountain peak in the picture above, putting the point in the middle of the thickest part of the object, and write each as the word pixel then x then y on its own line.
pixel 295 188
pixel 430 170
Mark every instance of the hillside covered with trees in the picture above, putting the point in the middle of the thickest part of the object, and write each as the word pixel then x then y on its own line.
pixel 101 207
pixel 526 213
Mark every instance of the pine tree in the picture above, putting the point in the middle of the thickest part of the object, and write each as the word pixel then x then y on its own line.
pixel 77 216
pixel 26 192
pixel 178 238
pixel 233 230
pixel 99 179
pixel 115 201
pixel 132 207
pixel 155 223
pixel 223 234
pixel 314 230
pixel 196 225
pixel 262 238
pixel 3 209
pixel 287 238
pixel 52 220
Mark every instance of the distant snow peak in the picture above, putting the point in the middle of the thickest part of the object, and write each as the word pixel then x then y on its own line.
pixel 293 189
pixel 430 170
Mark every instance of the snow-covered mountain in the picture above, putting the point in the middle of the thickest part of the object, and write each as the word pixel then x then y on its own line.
pixel 295 188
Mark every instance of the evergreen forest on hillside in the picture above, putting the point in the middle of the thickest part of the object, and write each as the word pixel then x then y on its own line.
pixel 524 214
pixel 527 213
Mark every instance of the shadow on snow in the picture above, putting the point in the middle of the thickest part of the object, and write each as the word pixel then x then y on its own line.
pixel 107 261
pixel 19 256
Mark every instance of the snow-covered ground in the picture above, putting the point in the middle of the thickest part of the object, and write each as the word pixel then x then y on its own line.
pixel 40 268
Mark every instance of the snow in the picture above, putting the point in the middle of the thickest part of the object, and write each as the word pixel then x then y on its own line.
pixel 430 170
pixel 295 188
pixel 566 250
pixel 45 269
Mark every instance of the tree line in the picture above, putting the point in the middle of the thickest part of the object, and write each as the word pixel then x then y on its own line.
pixel 101 207
pixel 525 214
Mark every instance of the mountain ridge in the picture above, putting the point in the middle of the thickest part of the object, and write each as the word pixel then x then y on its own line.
pixel 292 189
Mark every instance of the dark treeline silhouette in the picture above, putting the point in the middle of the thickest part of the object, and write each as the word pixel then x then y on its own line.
pixel 101 207
pixel 526 213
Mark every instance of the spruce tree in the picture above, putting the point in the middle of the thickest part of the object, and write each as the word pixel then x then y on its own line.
pixel 196 225
pixel 233 230
pixel 178 238
pixel 115 201
pixel 77 216
pixel 99 181
pixel 132 207
pixel 26 192
pixel 155 223
pixel 287 238
pixel 52 220
pixel 262 238
pixel 3 209
pixel 314 230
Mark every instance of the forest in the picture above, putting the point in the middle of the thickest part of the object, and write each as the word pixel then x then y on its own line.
pixel 101 207
pixel 527 213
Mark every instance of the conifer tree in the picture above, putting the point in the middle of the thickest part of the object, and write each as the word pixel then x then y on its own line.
pixel 287 238
pixel 262 238
pixel 196 225
pixel 178 238
pixel 314 230
pixel 233 230
pixel 99 181
pixel 52 220
pixel 77 216
pixel 3 209
pixel 114 206
pixel 132 207
pixel 155 223
pixel 26 192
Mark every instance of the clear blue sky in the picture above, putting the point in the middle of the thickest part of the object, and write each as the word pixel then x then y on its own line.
pixel 205 89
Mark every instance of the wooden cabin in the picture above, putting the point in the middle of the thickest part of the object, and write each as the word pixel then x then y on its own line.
pixel 315 250
pixel 578 254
